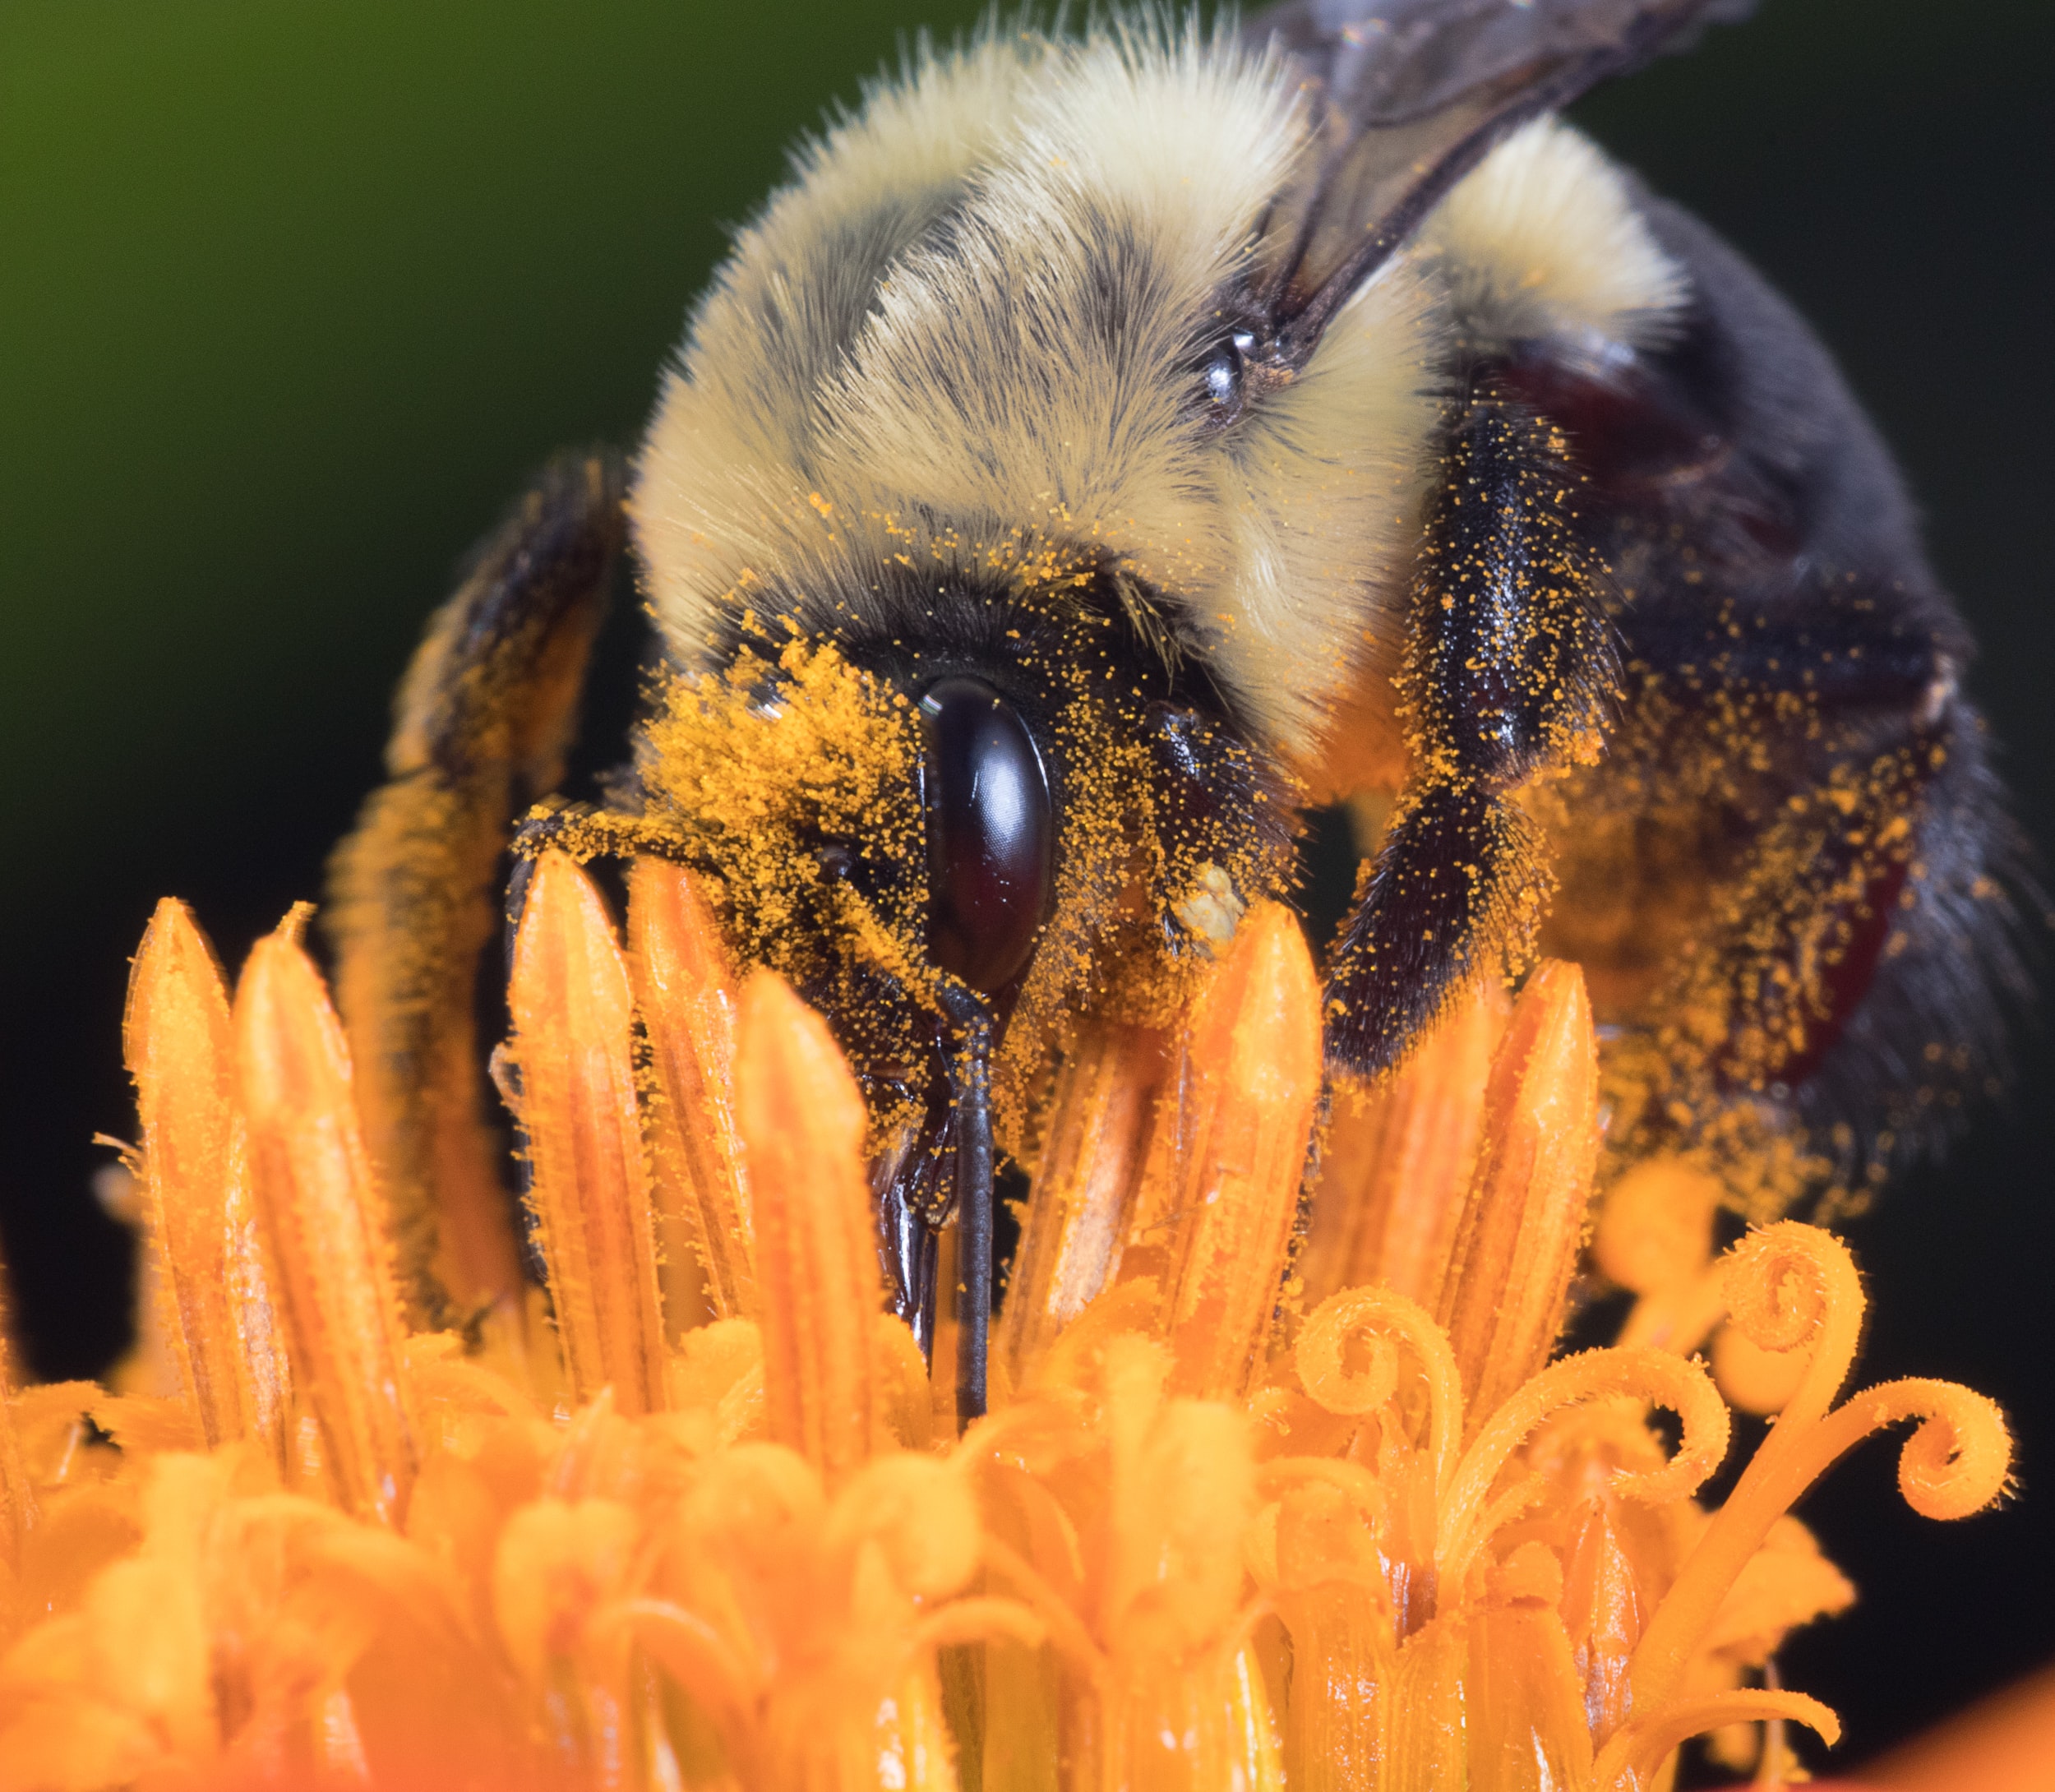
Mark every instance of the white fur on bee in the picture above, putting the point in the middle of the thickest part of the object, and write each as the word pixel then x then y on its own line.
pixel 970 322
pixel 745 391
pixel 1543 240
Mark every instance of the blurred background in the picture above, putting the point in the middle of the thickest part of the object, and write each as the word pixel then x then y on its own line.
pixel 292 297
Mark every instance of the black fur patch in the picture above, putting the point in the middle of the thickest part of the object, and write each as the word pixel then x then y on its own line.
pixel 1457 885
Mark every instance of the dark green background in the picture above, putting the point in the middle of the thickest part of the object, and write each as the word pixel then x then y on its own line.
pixel 292 294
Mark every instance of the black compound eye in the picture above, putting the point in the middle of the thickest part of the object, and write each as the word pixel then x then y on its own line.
pixel 1227 368
pixel 991 835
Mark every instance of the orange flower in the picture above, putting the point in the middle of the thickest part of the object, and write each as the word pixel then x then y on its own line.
pixel 1246 1512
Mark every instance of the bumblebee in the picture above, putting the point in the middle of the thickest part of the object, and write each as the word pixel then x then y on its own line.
pixel 1108 451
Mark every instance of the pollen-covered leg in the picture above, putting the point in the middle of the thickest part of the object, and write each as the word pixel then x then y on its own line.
pixel 483 718
pixel 1507 666
pixel 1458 887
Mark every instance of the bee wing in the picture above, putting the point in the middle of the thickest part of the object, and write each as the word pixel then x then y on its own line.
pixel 1409 95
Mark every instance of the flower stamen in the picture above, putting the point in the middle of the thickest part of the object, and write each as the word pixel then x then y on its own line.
pixel 180 1043
pixel 327 1253
pixel 589 1186
pixel 684 993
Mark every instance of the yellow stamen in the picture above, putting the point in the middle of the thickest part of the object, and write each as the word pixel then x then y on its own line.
pixel 1753 1380
pixel 1375 1321
pixel 1793 1286
pixel 590 1186
pixel 1654 1237
pixel 1471 1513
pixel 802 1124
pixel 327 1258
pixel 1254 1051
pixel 1632 1759
pixel 1098 1131
pixel 1398 1159
pixel 1657 1226
pixel 685 995
pixel 17 1491
pixel 1517 1245
pixel 180 1043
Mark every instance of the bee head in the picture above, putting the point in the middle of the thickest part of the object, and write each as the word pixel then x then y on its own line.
pixel 1033 811
pixel 996 402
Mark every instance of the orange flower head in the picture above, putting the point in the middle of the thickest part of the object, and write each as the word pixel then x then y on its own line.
pixel 1263 1499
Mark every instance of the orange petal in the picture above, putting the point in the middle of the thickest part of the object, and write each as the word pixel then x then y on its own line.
pixel 1181 1493
pixel 558 1562
pixel 330 1261
pixel 802 1123
pixel 1334 1602
pixel 1086 1184
pixel 1398 1157
pixel 1517 1245
pixel 1254 1751
pixel 685 995
pixel 1656 1230
pixel 1525 1702
pixel 1602 1612
pixel 910 1744
pixel 1254 1049
pixel 180 1044
pixel 590 1186
pixel 18 1492
pixel 2002 1744
pixel 1425 1742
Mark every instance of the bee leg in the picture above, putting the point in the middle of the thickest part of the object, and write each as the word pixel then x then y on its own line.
pixel 1507 666
pixel 480 725
pixel 1458 887
pixel 911 1260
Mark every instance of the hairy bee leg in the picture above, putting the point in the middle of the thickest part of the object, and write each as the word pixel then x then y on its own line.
pixel 1507 666
pixel 1460 881
pixel 480 725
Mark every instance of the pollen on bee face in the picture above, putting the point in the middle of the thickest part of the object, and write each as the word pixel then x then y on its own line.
pixel 792 785
pixel 1210 910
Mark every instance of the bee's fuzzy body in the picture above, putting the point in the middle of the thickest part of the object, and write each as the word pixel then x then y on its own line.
pixel 969 324
pixel 1206 425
